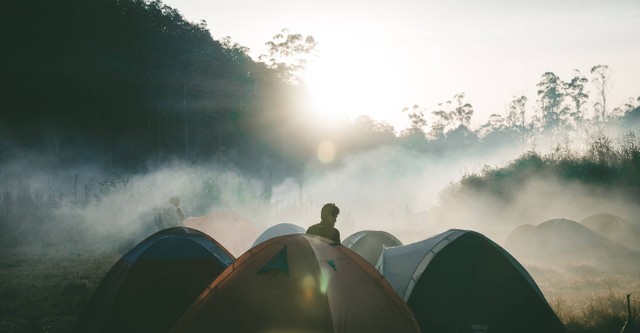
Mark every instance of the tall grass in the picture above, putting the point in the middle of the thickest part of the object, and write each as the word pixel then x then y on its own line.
pixel 595 313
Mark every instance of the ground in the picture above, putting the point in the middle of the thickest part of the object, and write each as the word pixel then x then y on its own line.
pixel 45 289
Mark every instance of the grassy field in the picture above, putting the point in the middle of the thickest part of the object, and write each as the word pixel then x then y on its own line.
pixel 587 300
pixel 45 289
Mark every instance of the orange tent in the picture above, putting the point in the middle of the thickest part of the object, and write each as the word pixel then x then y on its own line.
pixel 299 283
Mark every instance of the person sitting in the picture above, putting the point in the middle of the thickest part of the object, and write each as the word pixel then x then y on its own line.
pixel 326 229
pixel 167 216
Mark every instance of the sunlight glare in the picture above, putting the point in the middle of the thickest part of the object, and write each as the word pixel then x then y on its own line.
pixel 344 85
pixel 326 152
pixel 322 88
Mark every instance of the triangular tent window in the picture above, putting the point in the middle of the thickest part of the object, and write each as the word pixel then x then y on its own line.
pixel 332 264
pixel 278 263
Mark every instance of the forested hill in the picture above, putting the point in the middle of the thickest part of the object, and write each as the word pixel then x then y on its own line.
pixel 123 82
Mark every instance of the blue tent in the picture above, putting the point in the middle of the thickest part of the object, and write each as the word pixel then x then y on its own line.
pixel 153 284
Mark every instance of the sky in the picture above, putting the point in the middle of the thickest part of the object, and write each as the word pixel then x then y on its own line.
pixel 379 56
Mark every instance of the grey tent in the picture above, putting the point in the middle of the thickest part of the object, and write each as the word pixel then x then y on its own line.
pixel 461 281
pixel 369 244
pixel 279 230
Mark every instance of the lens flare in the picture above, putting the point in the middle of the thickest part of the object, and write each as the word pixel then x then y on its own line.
pixel 308 286
pixel 325 276
pixel 326 152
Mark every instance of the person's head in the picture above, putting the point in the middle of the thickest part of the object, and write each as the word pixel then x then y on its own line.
pixel 329 213
pixel 175 201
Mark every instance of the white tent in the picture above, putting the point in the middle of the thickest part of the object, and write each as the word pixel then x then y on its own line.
pixel 403 265
pixel 280 229
pixel 462 281
pixel 369 244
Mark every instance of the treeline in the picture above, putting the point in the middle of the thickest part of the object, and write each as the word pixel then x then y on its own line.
pixel 560 106
pixel 605 164
pixel 125 82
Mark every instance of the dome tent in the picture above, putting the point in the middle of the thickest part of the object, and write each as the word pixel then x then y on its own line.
pixel 369 244
pixel 152 285
pixel 298 283
pixel 460 281
pixel 280 229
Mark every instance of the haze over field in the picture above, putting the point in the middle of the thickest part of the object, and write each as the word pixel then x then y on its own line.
pixel 384 188
pixel 395 189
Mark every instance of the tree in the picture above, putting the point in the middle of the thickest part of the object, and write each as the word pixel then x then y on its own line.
pixel 516 113
pixel 495 123
pixel 415 135
pixel 463 111
pixel 575 91
pixel 449 117
pixel 417 119
pixel 630 104
pixel 289 55
pixel 550 98
pixel 233 50
pixel 602 81
pixel 365 133
pixel 442 119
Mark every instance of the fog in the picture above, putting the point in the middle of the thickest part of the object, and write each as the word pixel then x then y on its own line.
pixel 388 188
pixel 537 201
pixel 412 195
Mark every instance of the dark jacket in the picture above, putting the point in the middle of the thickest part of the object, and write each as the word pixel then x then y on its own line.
pixel 325 230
